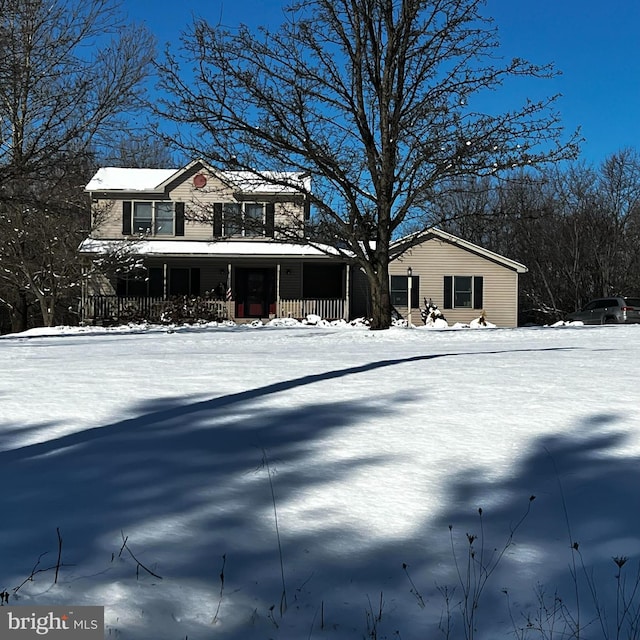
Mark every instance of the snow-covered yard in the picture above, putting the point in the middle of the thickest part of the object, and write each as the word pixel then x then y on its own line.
pixel 368 444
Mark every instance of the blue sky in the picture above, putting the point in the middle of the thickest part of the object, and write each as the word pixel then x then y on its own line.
pixel 595 44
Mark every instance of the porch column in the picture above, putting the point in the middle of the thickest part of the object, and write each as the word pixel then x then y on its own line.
pixel 84 295
pixel 345 311
pixel 229 294
pixel 164 281
pixel 278 314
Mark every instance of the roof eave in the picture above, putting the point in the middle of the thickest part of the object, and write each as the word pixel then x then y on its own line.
pixel 416 238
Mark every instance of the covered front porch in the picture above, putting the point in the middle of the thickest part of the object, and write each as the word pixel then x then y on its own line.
pixel 241 290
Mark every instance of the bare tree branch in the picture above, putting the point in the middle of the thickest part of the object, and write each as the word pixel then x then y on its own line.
pixel 70 71
pixel 375 98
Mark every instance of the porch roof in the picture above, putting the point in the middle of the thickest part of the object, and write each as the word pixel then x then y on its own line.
pixel 219 248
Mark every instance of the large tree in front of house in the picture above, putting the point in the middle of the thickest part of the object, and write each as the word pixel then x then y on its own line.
pixel 379 100
pixel 70 73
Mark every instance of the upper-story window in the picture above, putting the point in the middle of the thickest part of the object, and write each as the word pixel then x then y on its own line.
pixel 153 218
pixel 162 218
pixel 247 219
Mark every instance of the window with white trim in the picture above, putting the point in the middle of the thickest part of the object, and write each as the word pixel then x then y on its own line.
pixel 399 291
pixel 463 292
pixel 246 219
pixel 153 218
pixel 243 219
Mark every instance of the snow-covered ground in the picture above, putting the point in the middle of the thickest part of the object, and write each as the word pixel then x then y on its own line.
pixel 369 445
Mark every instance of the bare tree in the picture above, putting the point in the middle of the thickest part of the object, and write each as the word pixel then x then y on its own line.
pixel 575 226
pixel 139 149
pixel 618 189
pixel 69 71
pixel 375 98
pixel 41 231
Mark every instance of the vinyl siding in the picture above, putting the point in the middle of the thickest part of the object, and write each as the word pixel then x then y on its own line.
pixel 107 219
pixel 198 209
pixel 434 259
pixel 291 283
pixel 288 215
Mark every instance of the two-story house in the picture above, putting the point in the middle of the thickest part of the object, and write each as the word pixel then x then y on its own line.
pixel 236 242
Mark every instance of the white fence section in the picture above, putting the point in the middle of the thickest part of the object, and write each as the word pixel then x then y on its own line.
pixel 326 309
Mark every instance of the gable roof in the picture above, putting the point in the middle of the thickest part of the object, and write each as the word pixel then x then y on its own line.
pixel 127 179
pixel 414 239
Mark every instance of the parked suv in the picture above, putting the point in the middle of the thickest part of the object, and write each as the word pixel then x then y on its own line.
pixel 615 310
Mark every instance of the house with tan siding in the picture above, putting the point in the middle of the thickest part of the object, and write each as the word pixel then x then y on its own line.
pixel 235 242
pixel 461 278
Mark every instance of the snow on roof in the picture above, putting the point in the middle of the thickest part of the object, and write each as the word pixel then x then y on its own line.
pixel 128 179
pixel 225 248
pixel 266 181
pixel 133 179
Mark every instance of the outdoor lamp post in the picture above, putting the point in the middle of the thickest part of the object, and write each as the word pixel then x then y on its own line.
pixel 409 273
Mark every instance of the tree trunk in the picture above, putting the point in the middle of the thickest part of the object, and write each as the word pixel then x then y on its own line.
pixel 48 317
pixel 47 310
pixel 19 313
pixel 380 297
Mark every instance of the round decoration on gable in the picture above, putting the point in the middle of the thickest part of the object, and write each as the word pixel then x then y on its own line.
pixel 199 181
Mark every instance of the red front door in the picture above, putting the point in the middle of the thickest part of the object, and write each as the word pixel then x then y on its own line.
pixel 255 292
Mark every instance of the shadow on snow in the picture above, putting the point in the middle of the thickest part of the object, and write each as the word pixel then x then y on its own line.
pixel 185 480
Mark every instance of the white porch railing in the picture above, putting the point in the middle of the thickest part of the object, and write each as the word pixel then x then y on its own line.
pixel 326 309
pixel 103 308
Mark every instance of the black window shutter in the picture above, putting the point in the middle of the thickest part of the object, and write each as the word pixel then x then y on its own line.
pixel 195 281
pixel 217 219
pixel 126 218
pixel 478 285
pixel 448 292
pixel 179 218
pixel 415 292
pixel 270 220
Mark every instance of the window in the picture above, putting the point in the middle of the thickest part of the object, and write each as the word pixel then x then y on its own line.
pixel 164 218
pixel 322 281
pixel 248 219
pixel 253 220
pixel 232 214
pixel 400 291
pixel 184 282
pixel 463 292
pixel 150 282
pixel 142 217
pixel 147 282
pixel 153 218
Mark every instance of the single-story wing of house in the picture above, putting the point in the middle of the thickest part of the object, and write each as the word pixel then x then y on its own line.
pixel 461 278
pixel 235 243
